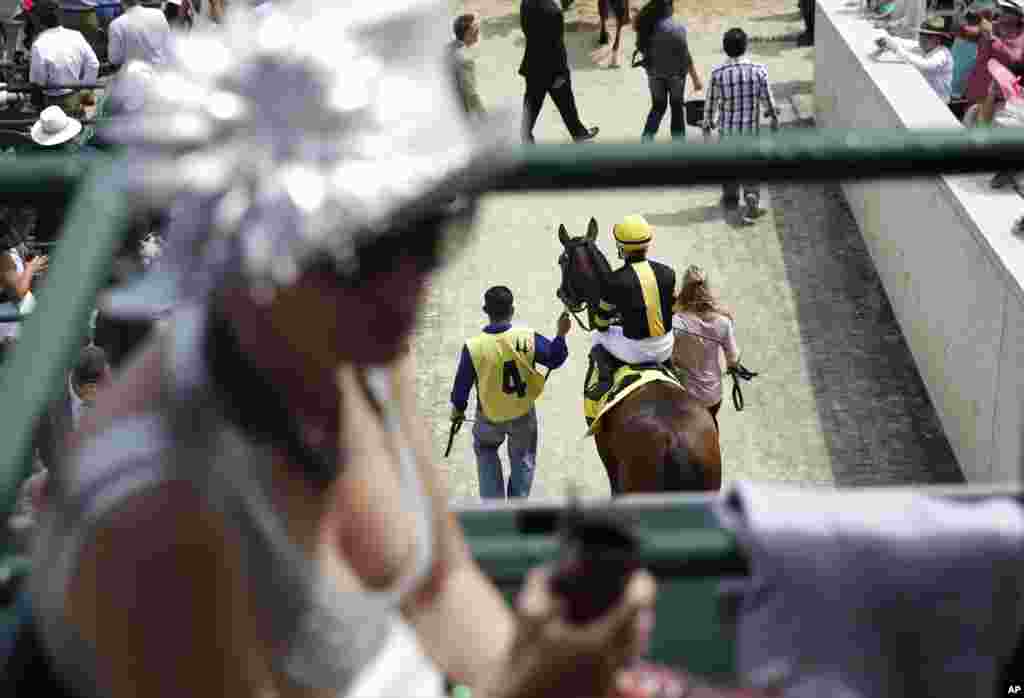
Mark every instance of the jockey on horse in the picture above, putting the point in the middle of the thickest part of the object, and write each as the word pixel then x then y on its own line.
pixel 640 293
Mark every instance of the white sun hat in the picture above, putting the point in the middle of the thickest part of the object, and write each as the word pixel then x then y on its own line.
pixel 55 127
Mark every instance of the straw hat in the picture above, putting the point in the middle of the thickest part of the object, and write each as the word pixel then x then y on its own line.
pixel 934 26
pixel 55 127
pixel 1011 6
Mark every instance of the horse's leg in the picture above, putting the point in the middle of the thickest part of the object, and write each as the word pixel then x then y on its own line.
pixel 698 430
pixel 711 458
pixel 638 446
pixel 643 458
pixel 611 465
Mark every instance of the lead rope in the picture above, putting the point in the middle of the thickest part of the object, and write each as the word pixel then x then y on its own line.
pixel 575 316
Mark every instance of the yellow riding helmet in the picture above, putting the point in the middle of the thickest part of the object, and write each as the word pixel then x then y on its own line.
pixel 633 233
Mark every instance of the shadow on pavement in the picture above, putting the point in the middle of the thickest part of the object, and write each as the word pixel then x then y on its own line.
pixel 786 89
pixel 690 216
pixel 776 46
pixel 784 17
pixel 878 420
pixel 500 27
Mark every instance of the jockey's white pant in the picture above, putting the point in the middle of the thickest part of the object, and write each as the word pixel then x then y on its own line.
pixel 635 351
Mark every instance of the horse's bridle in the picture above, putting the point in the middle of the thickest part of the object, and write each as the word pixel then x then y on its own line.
pixel 570 296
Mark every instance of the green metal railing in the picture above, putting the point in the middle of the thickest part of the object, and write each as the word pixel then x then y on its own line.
pixel 100 213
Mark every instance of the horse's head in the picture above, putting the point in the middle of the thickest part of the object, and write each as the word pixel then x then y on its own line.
pixel 584 268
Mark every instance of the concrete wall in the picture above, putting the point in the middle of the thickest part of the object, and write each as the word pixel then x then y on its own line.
pixel 943 248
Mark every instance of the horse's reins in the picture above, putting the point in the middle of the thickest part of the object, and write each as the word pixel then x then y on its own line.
pixel 575 317
pixel 563 262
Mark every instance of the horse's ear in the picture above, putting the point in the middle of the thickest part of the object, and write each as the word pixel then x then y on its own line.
pixel 563 235
pixel 592 230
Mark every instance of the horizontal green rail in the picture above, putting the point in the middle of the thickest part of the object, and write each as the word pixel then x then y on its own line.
pixel 98 217
pixel 789 155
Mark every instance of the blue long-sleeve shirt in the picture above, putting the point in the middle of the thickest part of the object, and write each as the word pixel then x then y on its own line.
pixel 546 352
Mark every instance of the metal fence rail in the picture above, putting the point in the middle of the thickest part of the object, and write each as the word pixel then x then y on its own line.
pixel 790 155
pixel 100 211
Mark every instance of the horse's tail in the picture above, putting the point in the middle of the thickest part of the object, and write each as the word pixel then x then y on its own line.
pixel 679 471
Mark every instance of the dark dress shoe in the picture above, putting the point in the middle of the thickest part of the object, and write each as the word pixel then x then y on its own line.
pixel 1003 180
pixel 587 135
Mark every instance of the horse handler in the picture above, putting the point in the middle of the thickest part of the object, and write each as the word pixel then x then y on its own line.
pixel 501 361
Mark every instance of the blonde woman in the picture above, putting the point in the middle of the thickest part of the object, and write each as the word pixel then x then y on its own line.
pixel 701 325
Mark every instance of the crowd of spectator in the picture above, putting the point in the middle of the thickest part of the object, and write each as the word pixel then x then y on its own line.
pixel 68 47
pixel 973 63
pixel 739 88
pixel 25 233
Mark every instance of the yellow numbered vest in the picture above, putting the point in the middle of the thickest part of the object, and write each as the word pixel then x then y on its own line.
pixel 507 383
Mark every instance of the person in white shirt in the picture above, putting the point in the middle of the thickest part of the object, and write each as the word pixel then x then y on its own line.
pixel 16 276
pixel 61 56
pixel 140 34
pixel 928 54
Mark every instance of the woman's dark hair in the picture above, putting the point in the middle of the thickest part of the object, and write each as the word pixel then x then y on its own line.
pixel 645 20
pixel 462 24
pixel 171 12
pixel 46 13
pixel 735 42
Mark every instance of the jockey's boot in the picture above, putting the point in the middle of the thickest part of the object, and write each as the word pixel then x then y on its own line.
pixel 606 364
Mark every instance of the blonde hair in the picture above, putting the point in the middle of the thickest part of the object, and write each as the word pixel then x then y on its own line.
pixel 696 296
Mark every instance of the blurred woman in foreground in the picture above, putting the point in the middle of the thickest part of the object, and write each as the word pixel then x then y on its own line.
pixel 253 508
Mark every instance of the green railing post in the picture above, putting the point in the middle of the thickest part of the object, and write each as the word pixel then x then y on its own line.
pixel 49 337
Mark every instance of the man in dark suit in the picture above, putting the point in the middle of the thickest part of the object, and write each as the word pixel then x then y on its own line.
pixel 546 68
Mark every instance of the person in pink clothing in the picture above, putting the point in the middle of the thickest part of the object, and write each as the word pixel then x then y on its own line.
pixel 1003 40
pixel 702 327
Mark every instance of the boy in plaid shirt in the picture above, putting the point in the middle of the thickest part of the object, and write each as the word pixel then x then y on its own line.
pixel 737 90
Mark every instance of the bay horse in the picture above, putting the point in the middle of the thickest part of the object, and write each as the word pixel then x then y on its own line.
pixel 658 438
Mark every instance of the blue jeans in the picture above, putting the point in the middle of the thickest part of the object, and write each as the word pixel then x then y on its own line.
pixel 522 454
pixel 666 93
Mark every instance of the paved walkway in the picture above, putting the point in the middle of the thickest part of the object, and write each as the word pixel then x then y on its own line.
pixel 839 400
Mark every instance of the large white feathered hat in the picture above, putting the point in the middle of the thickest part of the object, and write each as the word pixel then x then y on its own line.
pixel 318 131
